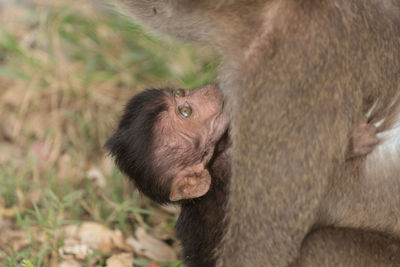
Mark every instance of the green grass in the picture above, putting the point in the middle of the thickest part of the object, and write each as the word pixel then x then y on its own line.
pixel 65 73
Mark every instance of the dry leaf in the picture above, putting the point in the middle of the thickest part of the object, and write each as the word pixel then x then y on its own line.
pixel 152 264
pixel 96 176
pixel 120 260
pixel 151 247
pixel 81 240
pixel 69 263
pixel 78 251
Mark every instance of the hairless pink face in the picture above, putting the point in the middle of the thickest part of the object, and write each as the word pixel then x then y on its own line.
pixel 189 130
pixel 199 111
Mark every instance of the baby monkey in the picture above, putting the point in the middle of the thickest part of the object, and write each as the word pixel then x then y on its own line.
pixel 175 146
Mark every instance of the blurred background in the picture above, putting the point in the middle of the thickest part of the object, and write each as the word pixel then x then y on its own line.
pixel 67 68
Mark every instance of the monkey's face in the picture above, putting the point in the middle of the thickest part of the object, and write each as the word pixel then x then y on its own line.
pixel 187 136
pixel 196 115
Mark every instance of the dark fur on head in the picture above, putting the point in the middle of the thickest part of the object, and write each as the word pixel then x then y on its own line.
pixel 131 142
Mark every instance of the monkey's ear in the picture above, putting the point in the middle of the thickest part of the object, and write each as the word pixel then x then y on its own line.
pixel 191 182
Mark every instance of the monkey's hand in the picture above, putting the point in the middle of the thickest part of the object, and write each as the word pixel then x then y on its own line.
pixel 363 139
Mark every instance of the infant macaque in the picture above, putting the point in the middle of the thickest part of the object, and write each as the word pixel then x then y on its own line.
pixel 175 146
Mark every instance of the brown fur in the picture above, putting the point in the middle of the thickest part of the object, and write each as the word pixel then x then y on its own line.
pixel 299 74
pixel 334 247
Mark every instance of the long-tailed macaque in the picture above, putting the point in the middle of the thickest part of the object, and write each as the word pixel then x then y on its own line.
pixel 175 146
pixel 299 74
pixel 158 143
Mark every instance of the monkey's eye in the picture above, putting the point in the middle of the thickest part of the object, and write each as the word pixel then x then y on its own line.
pixel 185 111
pixel 179 93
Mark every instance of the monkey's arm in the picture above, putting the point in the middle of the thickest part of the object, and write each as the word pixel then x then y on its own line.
pixel 282 161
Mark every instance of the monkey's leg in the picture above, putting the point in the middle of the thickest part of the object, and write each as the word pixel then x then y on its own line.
pixel 332 247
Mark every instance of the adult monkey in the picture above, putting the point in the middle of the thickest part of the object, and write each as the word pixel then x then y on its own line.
pixel 300 73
